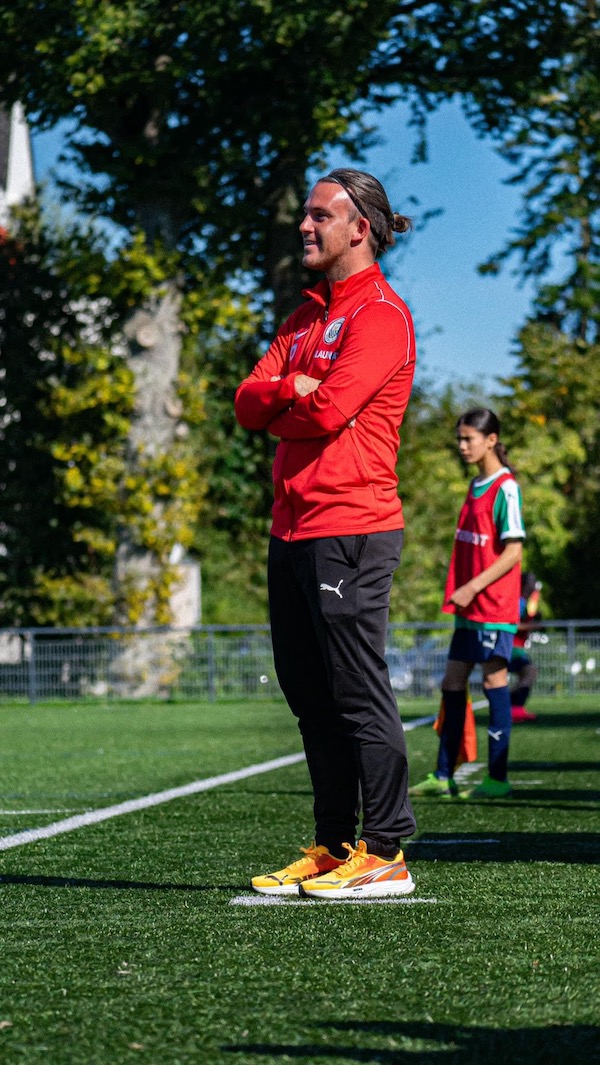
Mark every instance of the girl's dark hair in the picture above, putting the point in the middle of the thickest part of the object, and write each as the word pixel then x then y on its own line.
pixel 486 422
pixel 370 199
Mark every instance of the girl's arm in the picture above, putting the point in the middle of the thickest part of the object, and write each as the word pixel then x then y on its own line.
pixel 512 554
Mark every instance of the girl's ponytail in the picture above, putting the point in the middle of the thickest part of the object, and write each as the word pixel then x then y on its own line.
pixel 503 455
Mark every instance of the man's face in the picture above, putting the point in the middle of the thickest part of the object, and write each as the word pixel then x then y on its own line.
pixel 329 229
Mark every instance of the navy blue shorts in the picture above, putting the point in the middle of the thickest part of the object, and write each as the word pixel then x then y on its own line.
pixel 479 645
pixel 518 662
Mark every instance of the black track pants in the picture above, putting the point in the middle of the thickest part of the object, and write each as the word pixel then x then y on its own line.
pixel 329 605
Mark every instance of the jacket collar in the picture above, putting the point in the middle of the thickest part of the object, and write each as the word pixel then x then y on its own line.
pixel 324 293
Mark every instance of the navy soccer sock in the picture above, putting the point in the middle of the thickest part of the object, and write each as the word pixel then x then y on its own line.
pixel 498 731
pixel 455 704
pixel 520 695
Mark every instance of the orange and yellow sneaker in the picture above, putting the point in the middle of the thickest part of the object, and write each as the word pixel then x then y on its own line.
pixel 316 861
pixel 362 876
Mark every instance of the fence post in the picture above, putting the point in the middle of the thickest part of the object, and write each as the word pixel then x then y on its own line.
pixel 32 672
pixel 571 655
pixel 212 667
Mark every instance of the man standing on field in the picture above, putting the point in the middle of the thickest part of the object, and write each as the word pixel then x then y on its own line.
pixel 333 387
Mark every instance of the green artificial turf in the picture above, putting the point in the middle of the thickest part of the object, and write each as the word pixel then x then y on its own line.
pixel 120 942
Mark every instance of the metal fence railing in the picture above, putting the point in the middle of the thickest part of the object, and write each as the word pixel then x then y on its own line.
pixel 220 661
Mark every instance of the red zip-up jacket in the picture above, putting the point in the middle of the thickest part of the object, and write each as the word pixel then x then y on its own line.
pixel 334 472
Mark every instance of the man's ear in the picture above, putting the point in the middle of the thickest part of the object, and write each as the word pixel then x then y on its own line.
pixel 362 230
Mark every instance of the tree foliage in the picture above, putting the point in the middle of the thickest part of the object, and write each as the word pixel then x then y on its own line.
pixel 68 398
pixel 208 167
pixel 554 396
pixel 197 121
pixel 192 127
pixel 552 418
pixel 66 403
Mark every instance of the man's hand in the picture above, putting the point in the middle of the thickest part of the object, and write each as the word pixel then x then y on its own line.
pixel 304 384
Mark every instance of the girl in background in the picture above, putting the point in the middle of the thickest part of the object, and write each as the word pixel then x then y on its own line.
pixel 520 663
pixel 482 591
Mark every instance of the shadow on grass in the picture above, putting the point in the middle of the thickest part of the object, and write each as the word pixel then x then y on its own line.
pixel 557 795
pixel 579 848
pixel 538 797
pixel 551 767
pixel 548 719
pixel 431 1044
pixel 113 885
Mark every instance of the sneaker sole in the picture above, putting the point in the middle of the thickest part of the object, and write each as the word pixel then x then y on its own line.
pixel 368 891
pixel 279 889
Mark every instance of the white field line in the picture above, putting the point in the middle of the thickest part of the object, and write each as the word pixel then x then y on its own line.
pixel 410 725
pixel 467 769
pixel 93 817
pixel 282 900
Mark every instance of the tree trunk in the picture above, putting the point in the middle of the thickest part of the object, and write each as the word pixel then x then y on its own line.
pixel 154 337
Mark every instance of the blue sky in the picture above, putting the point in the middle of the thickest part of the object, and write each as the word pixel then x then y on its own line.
pixel 466 324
